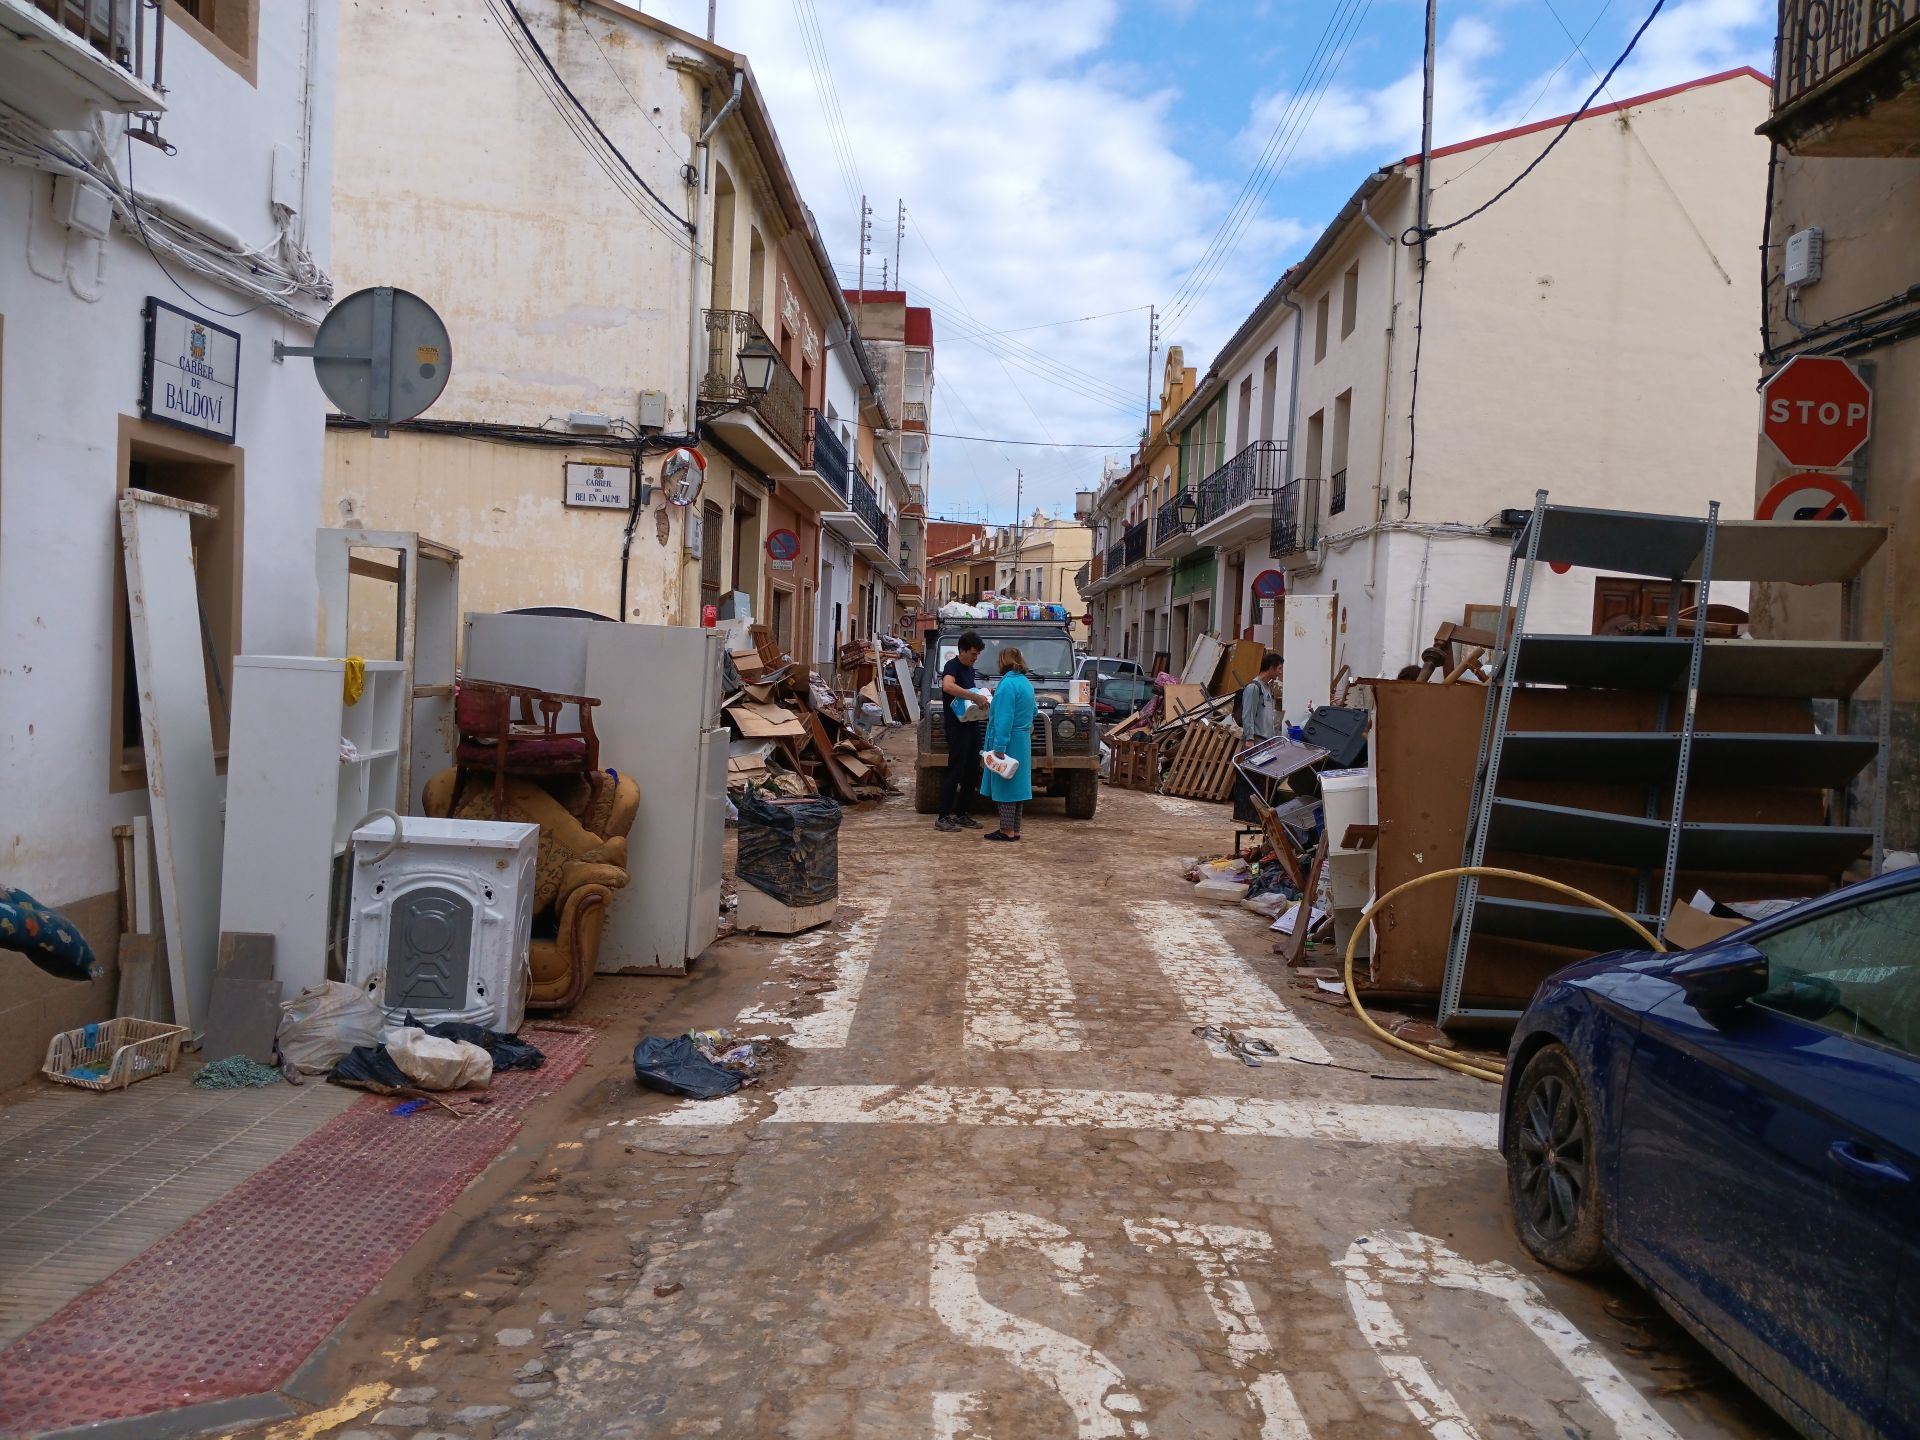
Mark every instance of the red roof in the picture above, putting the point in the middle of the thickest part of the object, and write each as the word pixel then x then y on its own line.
pixel 871 296
pixel 1609 109
pixel 919 326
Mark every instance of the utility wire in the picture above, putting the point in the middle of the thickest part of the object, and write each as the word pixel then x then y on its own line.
pixel 133 209
pixel 621 81
pixel 1576 53
pixel 1041 444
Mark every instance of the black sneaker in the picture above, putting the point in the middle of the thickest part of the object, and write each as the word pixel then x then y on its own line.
pixel 946 822
pixel 966 822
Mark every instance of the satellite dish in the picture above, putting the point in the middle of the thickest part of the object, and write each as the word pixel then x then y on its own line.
pixel 381 355
pixel 682 475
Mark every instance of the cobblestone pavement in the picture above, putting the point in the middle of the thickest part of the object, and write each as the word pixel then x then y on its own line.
pixel 999 1188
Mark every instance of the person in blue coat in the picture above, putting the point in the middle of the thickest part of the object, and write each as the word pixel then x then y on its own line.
pixel 1010 733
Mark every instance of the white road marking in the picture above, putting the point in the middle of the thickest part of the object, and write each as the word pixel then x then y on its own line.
pixel 1019 997
pixel 1406 1258
pixel 1097 1110
pixel 1214 1250
pixel 1217 987
pixel 847 952
pixel 1090 1383
pixel 954 1412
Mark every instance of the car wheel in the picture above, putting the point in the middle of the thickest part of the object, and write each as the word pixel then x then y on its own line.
pixel 926 791
pixel 1552 1165
pixel 1083 794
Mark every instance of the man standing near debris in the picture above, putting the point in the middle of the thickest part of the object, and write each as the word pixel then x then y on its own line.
pixel 1259 720
pixel 960 684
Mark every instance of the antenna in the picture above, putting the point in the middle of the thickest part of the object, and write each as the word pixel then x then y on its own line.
pixel 866 245
pixel 899 234
pixel 1153 344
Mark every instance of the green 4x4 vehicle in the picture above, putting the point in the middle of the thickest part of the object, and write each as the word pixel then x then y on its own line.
pixel 1066 738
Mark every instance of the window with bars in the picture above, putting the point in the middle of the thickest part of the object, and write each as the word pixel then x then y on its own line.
pixel 713 521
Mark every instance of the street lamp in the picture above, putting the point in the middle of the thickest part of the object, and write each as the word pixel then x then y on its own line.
pixel 757 358
pixel 1187 508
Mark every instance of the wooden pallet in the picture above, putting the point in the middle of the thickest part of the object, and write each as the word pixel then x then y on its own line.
pixel 1136 764
pixel 1203 765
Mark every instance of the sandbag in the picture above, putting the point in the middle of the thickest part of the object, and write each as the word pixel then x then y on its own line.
pixel 674 1064
pixel 509 1052
pixel 436 1064
pixel 322 1023
pixel 790 849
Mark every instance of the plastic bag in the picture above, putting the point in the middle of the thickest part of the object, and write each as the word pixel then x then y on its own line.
pixel 321 1024
pixel 676 1066
pixel 369 1067
pixel 790 849
pixel 509 1052
pixel 436 1064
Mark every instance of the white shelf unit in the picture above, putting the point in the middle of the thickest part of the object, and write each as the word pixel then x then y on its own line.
pixel 293 802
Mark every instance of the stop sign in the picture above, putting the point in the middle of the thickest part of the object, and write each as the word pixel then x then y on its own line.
pixel 1817 411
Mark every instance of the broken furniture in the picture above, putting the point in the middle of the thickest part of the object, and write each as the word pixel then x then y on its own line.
pixel 304 768
pixel 1637 767
pixel 658 722
pixel 441 916
pixel 421 631
pixel 581 861
pixel 493 739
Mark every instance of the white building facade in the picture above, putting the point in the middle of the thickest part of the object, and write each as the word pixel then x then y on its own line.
pixel 207 228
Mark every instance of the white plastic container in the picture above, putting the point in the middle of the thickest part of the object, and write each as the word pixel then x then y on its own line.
pixel 442 920
pixel 1346 798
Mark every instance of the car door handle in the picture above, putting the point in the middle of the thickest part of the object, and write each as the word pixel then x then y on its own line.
pixel 1862 1164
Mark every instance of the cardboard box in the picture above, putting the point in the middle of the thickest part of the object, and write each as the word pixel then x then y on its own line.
pixel 1688 928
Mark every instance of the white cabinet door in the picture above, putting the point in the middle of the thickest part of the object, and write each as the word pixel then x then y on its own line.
pixel 709 841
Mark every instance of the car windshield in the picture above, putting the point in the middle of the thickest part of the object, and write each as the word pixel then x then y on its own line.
pixel 1047 656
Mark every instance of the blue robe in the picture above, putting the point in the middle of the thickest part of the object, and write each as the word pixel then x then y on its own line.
pixel 1010 731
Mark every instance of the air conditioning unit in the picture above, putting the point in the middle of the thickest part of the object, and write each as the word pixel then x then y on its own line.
pixel 441 918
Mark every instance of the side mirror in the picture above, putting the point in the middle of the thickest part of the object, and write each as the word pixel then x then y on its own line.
pixel 1721 976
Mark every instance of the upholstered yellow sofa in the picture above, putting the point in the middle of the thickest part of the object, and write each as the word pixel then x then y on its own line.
pixel 584 822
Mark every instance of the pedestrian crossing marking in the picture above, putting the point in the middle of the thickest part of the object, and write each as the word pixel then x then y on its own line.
pixel 1217 987
pixel 1019 997
pixel 847 952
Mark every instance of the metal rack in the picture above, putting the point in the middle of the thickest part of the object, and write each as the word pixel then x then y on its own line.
pixel 1676 668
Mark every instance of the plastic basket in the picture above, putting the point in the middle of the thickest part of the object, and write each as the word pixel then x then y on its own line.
pixel 114 1053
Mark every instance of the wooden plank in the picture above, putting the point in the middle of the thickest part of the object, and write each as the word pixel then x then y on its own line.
pixel 1182 698
pixel 372 569
pixel 837 777
pixel 177 732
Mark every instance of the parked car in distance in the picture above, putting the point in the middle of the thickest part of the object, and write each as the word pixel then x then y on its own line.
pixel 1119 696
pixel 1737 1126
pixel 1106 666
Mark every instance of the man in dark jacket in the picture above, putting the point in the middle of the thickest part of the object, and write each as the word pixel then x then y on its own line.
pixel 960 687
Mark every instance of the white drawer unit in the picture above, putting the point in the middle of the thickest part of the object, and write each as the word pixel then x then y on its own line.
pixel 441 920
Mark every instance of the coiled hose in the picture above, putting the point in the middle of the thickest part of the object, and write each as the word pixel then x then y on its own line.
pixel 1493 1070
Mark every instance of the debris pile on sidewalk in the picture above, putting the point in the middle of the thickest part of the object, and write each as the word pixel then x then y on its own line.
pixel 701 1064
pixel 793 736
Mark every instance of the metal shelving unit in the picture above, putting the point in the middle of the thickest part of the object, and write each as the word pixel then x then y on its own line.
pixel 1679 670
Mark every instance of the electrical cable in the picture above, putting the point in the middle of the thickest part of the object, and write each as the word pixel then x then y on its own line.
pixel 1558 136
pixel 140 228
pixel 620 80
pixel 1492 1069
pixel 1041 444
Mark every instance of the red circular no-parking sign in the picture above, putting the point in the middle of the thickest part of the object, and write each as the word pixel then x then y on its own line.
pixel 1810 496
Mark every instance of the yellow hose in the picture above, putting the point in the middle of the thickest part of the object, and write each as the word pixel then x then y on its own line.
pixel 1481 1070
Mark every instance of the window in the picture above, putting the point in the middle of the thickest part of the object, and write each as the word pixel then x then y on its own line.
pixel 1269 387
pixel 916 382
pixel 1244 421
pixel 1320 328
pixel 1316 445
pixel 229 29
pixel 713 521
pixel 1854 971
pixel 1349 298
pixel 1342 422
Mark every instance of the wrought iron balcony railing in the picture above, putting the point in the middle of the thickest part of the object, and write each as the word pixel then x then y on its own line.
pixel 1169 522
pixel 867 506
pixel 1337 496
pixel 826 453
pixel 1296 518
pixel 1116 559
pixel 1819 39
pixel 1135 542
pixel 1253 474
pixel 783 408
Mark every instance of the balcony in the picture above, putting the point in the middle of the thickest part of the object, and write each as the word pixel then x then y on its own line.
pixel 1134 543
pixel 769 430
pixel 1173 528
pixel 827 454
pixel 1116 560
pixel 1337 494
pixel 63 61
pixel 1233 499
pixel 1847 78
pixel 914 412
pixel 1296 519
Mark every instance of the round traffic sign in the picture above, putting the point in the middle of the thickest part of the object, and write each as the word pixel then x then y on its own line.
pixel 1817 411
pixel 1270 584
pixel 1810 496
pixel 783 545
pixel 382 355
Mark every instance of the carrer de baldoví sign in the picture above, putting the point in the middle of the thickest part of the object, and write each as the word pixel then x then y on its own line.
pixel 192 373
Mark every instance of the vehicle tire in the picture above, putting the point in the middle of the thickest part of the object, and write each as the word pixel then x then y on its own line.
pixel 1553 1164
pixel 1083 794
pixel 926 791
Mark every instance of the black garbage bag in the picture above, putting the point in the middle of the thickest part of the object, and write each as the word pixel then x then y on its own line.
pixel 790 849
pixel 674 1065
pixel 370 1067
pixel 509 1052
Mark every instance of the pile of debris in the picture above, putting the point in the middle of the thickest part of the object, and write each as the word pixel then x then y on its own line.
pixel 1182 742
pixel 793 736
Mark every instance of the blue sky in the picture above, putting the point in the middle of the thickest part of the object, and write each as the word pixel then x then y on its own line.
pixel 1067 158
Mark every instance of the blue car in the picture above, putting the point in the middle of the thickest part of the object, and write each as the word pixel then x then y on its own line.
pixel 1738 1128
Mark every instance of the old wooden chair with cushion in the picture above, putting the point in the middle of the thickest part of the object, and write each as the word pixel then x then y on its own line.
pixel 491 739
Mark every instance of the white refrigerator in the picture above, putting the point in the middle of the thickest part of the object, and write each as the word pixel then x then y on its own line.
pixel 659 721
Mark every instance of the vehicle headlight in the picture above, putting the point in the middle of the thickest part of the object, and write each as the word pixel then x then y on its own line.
pixel 1068 730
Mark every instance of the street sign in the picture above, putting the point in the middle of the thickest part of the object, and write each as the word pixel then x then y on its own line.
pixel 596 487
pixel 1810 496
pixel 191 377
pixel 1269 585
pixel 783 545
pixel 1817 411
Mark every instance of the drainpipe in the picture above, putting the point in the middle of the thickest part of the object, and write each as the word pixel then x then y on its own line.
pixel 1293 386
pixel 700 183
pixel 1386 386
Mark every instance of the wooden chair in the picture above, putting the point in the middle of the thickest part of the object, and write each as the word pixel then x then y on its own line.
pixel 492 740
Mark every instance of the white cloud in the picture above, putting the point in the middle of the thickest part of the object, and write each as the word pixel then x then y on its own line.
pixel 1046 177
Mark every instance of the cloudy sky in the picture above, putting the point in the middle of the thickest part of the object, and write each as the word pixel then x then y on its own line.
pixel 1061 159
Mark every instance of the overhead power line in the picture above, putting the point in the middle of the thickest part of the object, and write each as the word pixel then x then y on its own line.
pixel 1041 444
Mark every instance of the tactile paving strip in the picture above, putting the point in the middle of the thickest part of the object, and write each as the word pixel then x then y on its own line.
pixel 231 1302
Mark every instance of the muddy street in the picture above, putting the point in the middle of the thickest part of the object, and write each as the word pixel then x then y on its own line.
pixel 998 1187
